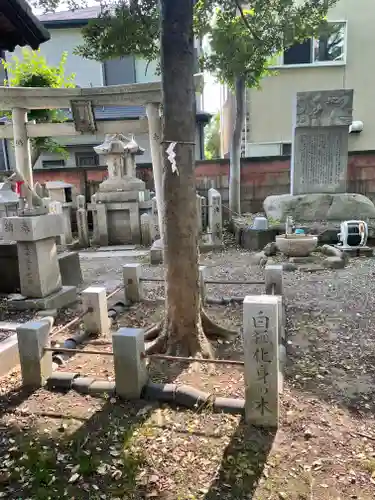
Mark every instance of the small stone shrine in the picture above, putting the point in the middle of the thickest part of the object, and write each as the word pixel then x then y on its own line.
pixel 122 197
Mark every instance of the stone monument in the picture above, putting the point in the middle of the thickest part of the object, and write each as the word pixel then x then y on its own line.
pixel 319 162
pixel 116 205
pixel 320 142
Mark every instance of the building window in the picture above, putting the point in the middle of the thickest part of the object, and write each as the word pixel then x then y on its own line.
pixel 327 47
pixel 53 163
pixel 87 159
pixel 286 149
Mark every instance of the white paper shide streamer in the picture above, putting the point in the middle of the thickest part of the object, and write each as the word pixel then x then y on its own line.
pixel 172 157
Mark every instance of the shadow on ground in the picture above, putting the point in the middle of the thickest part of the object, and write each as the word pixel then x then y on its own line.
pixel 97 458
pixel 242 464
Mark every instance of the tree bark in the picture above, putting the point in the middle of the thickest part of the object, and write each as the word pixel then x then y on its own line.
pixel 235 150
pixel 183 332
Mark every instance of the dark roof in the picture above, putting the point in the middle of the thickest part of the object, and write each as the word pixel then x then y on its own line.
pixel 78 17
pixel 19 26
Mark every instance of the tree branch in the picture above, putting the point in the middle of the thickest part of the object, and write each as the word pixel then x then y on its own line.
pixel 246 22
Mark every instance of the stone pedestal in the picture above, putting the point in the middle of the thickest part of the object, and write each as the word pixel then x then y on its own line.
pixel 37 255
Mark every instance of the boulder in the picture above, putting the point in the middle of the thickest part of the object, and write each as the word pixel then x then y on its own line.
pixel 334 263
pixel 319 207
pixel 270 249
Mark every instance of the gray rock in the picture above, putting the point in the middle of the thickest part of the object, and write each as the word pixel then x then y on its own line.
pixel 289 267
pixel 258 259
pixel 331 251
pixel 270 249
pixel 319 207
pixel 334 263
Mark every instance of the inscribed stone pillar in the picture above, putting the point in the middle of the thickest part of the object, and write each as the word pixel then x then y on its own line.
pixel 261 356
pixel 82 223
pixel 320 141
pixel 199 201
pixel 37 253
pixel 155 227
pixel 215 219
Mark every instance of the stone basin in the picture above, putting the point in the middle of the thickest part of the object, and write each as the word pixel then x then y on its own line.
pixel 296 245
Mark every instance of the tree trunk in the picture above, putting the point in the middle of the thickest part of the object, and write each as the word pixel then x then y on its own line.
pixel 235 151
pixel 183 327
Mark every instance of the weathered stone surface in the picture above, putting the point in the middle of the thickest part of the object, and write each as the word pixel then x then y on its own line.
pixel 334 263
pixel 70 268
pixel 253 239
pixel 270 249
pixel 62 298
pixel 320 142
pixel 258 259
pixel 319 207
pixel 32 228
pixel 331 251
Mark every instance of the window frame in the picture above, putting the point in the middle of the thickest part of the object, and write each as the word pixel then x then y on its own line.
pixel 58 163
pixel 316 64
pixel 81 154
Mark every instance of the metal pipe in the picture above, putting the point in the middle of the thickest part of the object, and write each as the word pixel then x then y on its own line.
pixel 77 351
pixel 189 360
pixel 234 282
pixel 152 279
pixel 118 289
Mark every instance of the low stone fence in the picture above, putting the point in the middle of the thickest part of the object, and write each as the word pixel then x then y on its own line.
pixel 263 331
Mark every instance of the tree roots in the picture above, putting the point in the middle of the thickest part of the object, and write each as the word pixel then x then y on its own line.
pixel 160 340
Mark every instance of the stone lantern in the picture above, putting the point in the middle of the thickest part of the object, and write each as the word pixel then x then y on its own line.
pixel 116 205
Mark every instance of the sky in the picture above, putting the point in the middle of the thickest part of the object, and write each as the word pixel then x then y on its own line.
pixel 211 95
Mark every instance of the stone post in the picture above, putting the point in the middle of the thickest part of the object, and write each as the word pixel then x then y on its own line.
pixel 132 283
pixel 55 207
pixel 36 364
pixel 199 214
pixel 155 225
pixel 215 218
pixel 101 219
pixel 82 223
pixel 261 356
pixel 274 286
pixel 96 321
pixel 130 367
pixel 274 279
pixel 22 149
pixel 202 277
pixel 146 230
pixel 154 123
pixel 37 253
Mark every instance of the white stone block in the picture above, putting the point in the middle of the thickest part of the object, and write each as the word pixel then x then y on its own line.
pixel 36 364
pixel 130 368
pixel 32 228
pixel 132 282
pixel 95 322
pixel 261 357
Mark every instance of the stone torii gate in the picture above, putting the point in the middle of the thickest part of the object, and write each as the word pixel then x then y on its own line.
pixel 34 229
pixel 82 101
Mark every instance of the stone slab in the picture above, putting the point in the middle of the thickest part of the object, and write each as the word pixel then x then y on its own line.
pixel 107 255
pixel 9 356
pixel 38 267
pixel 357 252
pixel 65 296
pixel 320 160
pixel 324 108
pixel 254 239
pixel 32 228
pixel 70 269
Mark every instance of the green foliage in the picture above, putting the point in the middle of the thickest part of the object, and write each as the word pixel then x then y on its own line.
pixel 212 139
pixel 33 71
pixel 243 42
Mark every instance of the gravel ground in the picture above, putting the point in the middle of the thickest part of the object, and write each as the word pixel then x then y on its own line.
pixel 324 449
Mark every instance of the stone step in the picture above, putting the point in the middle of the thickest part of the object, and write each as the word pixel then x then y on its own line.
pixel 131 254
